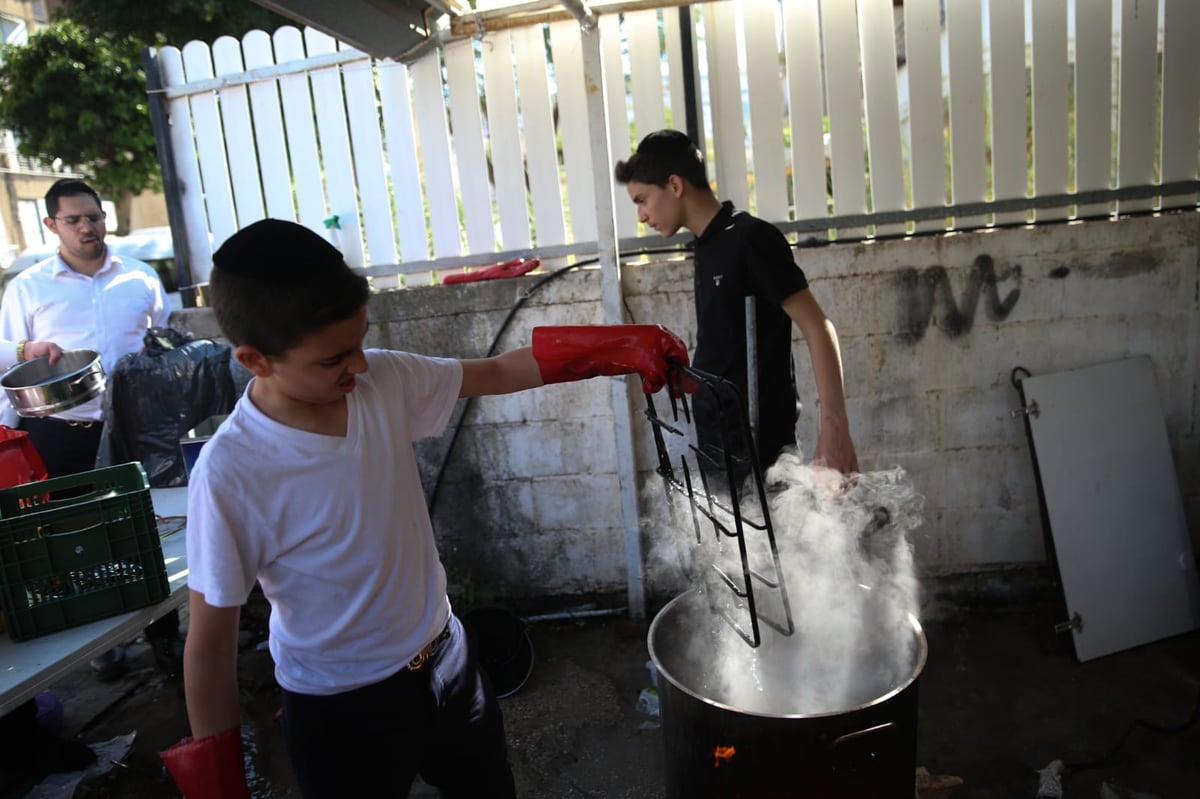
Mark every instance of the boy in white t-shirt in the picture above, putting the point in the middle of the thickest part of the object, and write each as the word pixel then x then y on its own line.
pixel 311 488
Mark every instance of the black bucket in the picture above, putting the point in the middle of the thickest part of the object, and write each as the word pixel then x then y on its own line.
pixel 504 649
pixel 714 748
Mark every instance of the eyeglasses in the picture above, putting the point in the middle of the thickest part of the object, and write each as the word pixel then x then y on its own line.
pixel 75 219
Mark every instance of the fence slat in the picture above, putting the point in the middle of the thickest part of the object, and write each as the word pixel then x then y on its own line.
pixel 187 167
pixel 1010 171
pixel 725 103
pixel 927 135
pixel 619 143
pixel 843 93
pixel 1181 96
pixel 964 34
pixel 802 47
pixel 574 128
pixel 270 145
pixel 541 152
pixel 1050 106
pixel 645 72
pixel 398 133
pixel 1093 101
pixel 429 106
pixel 299 126
pixel 673 47
pixel 235 119
pixel 466 119
pixel 366 146
pixel 210 145
pixel 882 110
pixel 1138 98
pixel 764 86
pixel 336 160
pixel 504 133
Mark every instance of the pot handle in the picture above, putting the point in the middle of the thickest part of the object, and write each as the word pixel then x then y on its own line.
pixel 851 737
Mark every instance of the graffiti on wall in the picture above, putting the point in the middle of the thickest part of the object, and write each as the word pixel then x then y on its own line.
pixel 927 297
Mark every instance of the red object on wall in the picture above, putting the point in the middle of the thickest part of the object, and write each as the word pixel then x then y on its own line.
pixel 514 268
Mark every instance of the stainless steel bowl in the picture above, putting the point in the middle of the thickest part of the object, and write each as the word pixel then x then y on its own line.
pixel 35 388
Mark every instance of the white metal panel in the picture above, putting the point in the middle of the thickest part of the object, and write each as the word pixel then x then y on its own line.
pixel 374 198
pixel 270 145
pixel 619 143
pixel 430 110
pixel 1006 24
pixel 537 122
pixel 1093 101
pixel 399 133
pixel 843 94
pixel 927 137
pixel 1114 505
pixel 187 168
pixel 878 34
pixel 1050 77
pixel 1138 84
pixel 301 132
pixel 764 85
pixel 574 129
pixel 235 119
pixel 645 72
pixel 802 45
pixel 725 99
pixel 504 134
pixel 968 180
pixel 210 146
pixel 1181 96
pixel 338 166
pixel 475 192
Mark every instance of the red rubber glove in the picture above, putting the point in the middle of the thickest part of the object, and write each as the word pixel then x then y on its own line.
pixel 576 352
pixel 211 768
pixel 514 268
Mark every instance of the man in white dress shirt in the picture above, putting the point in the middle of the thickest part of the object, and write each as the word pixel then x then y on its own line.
pixel 84 297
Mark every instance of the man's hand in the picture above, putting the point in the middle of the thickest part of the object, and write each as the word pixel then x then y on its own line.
pixel 36 349
pixel 577 352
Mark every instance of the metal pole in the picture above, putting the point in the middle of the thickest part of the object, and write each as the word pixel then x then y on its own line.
pixel 752 367
pixel 610 287
pixel 172 187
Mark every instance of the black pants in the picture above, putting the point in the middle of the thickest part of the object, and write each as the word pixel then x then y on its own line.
pixel 441 721
pixel 65 448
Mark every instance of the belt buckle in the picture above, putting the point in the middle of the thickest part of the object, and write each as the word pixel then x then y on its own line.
pixel 419 660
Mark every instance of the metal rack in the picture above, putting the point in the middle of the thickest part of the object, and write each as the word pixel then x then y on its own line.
pixel 731 498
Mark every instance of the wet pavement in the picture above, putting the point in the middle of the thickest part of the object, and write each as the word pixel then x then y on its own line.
pixel 1001 697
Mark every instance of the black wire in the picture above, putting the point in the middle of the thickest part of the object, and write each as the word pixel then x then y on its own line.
pixel 557 273
pixel 1109 757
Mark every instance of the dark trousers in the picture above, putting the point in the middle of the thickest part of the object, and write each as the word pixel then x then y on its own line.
pixel 65 448
pixel 441 721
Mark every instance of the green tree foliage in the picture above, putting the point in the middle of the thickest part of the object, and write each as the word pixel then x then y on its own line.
pixel 171 22
pixel 80 97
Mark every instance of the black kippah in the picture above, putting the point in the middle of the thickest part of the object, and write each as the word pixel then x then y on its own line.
pixel 275 248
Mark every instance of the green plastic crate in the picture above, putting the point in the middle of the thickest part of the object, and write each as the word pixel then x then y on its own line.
pixel 78 548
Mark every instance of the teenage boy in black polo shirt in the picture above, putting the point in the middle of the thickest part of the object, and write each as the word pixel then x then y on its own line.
pixel 737 256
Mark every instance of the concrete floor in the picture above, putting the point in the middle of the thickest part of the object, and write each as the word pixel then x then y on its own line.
pixel 1000 697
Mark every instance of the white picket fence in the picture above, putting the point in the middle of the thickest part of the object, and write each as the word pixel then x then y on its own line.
pixel 479 149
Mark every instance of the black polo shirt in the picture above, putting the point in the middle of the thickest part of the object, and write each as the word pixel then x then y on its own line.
pixel 739 255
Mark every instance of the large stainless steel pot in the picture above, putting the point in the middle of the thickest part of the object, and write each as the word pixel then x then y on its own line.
pixel 35 388
pixel 715 747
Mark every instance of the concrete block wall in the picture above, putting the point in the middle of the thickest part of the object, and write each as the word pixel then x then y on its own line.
pixel 931 329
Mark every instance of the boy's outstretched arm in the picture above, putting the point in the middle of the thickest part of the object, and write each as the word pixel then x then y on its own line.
pixel 834 447
pixel 575 352
pixel 209 762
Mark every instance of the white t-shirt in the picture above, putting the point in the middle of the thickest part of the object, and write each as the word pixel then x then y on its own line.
pixel 108 312
pixel 336 530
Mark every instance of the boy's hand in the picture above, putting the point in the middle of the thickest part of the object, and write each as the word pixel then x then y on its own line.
pixel 211 768
pixel 577 352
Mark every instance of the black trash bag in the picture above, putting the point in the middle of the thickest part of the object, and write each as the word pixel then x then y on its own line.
pixel 155 396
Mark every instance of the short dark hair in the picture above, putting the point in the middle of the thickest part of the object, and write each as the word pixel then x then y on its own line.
pixel 275 282
pixel 661 154
pixel 67 187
